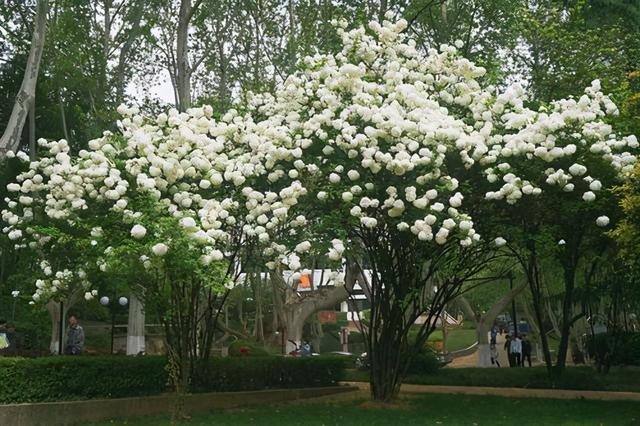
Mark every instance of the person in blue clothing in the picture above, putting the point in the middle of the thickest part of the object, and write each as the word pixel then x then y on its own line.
pixel 494 334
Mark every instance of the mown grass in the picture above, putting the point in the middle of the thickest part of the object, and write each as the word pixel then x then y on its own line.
pixel 420 410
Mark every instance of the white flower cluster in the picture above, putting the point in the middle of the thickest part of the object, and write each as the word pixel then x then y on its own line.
pixel 377 136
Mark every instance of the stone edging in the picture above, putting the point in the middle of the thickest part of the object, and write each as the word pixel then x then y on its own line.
pixel 73 412
pixel 514 392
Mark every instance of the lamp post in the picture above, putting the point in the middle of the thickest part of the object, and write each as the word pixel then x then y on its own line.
pixel 104 301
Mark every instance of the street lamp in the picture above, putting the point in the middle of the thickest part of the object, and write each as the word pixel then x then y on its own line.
pixel 104 301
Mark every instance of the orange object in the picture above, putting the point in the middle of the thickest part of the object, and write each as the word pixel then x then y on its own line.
pixel 305 281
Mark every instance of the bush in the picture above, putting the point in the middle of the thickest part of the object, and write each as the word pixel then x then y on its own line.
pixel 579 378
pixel 425 362
pixel 233 374
pixel 86 377
pixel 246 348
pixel 620 349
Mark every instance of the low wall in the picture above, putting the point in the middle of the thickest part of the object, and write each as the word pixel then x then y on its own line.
pixel 73 412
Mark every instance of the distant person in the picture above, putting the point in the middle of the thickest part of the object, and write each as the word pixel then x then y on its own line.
pixel 494 334
pixel 507 349
pixel 75 337
pixel 516 350
pixel 4 339
pixel 306 349
pixel 494 355
pixel 526 350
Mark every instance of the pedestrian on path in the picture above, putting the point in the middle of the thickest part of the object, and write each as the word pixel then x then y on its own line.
pixel 494 334
pixel 507 349
pixel 516 350
pixel 494 355
pixel 526 350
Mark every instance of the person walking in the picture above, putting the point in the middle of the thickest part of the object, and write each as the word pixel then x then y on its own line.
pixel 75 337
pixel 526 350
pixel 494 355
pixel 507 348
pixel 494 334
pixel 516 350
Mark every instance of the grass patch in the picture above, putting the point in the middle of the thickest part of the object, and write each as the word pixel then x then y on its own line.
pixel 460 338
pixel 579 378
pixel 457 339
pixel 420 410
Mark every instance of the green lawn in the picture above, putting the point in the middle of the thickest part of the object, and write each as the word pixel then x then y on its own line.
pixel 459 338
pixel 421 410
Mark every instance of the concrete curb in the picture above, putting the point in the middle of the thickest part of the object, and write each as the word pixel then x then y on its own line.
pixel 513 392
pixel 80 412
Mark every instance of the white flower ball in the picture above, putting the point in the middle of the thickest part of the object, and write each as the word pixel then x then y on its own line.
pixel 138 231
pixel 602 221
pixel 160 249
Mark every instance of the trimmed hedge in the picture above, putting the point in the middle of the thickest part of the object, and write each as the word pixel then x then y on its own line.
pixel 87 377
pixel 254 373
pixel 82 377
pixel 577 378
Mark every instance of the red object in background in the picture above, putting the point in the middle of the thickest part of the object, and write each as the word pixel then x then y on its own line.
pixel 327 316
pixel 244 351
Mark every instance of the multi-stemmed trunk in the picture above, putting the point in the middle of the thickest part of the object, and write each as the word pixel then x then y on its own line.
pixel 406 282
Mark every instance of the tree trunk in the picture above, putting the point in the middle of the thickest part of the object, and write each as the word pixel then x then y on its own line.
pixel 565 326
pixel 11 137
pixel 32 130
pixel 183 75
pixel 293 310
pixel 135 327
pixel 485 323
pixel 294 324
pixel 54 313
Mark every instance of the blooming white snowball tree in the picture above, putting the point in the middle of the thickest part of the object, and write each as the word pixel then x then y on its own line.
pixel 552 179
pixel 383 162
pixel 394 159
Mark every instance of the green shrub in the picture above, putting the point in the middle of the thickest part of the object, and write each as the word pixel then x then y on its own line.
pixel 622 348
pixel 425 362
pixel 86 377
pixel 246 348
pixel 65 378
pixel 241 374
pixel 579 378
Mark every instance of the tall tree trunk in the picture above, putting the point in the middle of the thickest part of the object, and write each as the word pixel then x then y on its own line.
pixel 32 130
pixel 183 74
pixel 11 137
pixel 565 326
pixel 63 116
pixel 135 327
pixel 54 313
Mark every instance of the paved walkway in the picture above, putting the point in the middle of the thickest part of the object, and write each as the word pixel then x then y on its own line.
pixel 514 392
